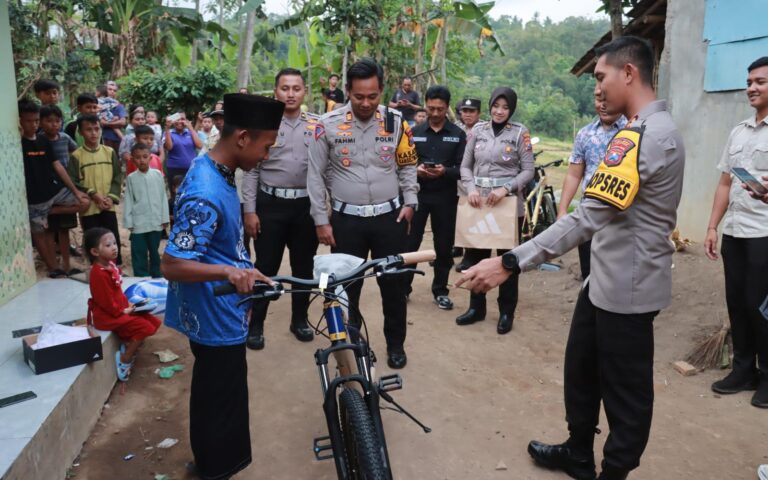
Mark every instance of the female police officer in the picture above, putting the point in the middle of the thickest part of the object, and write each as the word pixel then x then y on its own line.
pixel 498 162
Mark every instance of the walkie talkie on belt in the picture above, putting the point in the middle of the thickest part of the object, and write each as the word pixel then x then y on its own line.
pixel 390 121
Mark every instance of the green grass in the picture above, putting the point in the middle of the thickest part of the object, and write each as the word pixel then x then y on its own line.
pixel 554 149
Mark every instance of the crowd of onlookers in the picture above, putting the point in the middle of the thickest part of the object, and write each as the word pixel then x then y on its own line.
pixel 82 168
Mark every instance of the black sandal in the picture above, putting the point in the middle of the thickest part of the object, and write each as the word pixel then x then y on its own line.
pixel 57 273
pixel 74 271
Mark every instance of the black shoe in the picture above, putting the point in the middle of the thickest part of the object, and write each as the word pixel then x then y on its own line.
pixel 612 473
pixel 471 316
pixel 255 342
pixel 561 457
pixel 396 360
pixel 505 323
pixel 301 331
pixel 735 382
pixel 457 252
pixel 443 302
pixel 463 265
pixel 760 398
pixel 192 470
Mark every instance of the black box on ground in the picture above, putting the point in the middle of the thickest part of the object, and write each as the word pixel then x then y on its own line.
pixel 44 360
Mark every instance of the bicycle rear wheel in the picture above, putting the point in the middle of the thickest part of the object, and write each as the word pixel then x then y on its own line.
pixel 547 214
pixel 362 445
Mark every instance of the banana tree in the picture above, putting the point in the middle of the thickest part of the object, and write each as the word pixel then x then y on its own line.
pixel 141 27
pixel 459 17
pixel 355 21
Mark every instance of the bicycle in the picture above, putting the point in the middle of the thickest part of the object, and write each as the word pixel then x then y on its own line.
pixel 351 399
pixel 540 203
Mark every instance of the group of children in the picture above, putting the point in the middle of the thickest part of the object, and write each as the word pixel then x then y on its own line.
pixel 70 172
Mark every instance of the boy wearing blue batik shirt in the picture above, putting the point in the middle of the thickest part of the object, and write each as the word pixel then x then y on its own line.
pixel 205 249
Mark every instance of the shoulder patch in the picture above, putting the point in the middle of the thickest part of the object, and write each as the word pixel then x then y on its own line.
pixel 617 180
pixel 617 150
pixel 406 151
pixel 319 130
pixel 527 142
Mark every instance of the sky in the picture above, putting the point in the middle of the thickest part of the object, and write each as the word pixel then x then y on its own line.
pixel 555 9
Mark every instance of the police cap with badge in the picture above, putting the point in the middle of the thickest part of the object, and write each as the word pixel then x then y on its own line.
pixel 469 103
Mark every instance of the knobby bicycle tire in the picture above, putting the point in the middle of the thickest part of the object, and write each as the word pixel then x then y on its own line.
pixel 549 209
pixel 362 445
pixel 547 216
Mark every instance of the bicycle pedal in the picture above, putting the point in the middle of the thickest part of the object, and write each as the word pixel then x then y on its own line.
pixel 320 445
pixel 389 383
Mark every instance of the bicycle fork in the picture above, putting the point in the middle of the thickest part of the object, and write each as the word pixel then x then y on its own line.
pixel 344 351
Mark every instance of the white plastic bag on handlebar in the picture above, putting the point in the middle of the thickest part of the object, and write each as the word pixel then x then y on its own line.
pixel 337 264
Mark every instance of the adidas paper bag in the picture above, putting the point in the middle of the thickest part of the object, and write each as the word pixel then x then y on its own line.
pixel 487 227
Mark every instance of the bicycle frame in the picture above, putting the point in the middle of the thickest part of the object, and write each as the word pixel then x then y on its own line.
pixel 532 218
pixel 353 356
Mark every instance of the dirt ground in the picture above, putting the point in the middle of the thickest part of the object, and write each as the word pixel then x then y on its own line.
pixel 484 395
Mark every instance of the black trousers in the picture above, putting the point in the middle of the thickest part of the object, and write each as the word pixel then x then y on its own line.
pixel 440 207
pixel 284 223
pixel 380 236
pixel 745 262
pixel 507 299
pixel 585 255
pixel 104 219
pixel 218 411
pixel 609 357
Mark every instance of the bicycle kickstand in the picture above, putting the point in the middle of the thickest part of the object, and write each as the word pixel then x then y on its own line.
pixel 386 396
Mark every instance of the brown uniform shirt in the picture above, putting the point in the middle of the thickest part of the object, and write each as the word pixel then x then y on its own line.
pixel 508 155
pixel 360 163
pixel 287 163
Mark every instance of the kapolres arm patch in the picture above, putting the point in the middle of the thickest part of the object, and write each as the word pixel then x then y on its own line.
pixel 406 150
pixel 617 180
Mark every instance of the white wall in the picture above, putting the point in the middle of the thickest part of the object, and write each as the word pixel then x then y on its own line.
pixel 705 119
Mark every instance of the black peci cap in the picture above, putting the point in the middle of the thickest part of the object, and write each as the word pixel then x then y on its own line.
pixel 252 112
pixel 471 103
pixel 214 114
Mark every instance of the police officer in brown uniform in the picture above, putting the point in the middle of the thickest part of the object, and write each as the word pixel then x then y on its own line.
pixel 498 161
pixel 362 163
pixel 276 206
pixel 469 113
pixel 629 211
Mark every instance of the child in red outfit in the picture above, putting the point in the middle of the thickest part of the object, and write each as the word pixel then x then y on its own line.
pixel 109 307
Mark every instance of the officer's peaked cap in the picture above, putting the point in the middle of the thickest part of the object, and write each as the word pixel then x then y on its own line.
pixel 468 102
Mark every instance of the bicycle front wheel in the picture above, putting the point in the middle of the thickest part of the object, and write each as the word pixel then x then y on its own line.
pixel 362 445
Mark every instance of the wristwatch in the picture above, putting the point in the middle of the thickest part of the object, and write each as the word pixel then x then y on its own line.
pixel 414 206
pixel 509 262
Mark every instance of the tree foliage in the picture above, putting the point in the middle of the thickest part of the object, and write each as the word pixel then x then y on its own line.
pixel 191 90
pixel 439 41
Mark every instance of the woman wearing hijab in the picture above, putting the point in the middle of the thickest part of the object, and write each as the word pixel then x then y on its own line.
pixel 498 162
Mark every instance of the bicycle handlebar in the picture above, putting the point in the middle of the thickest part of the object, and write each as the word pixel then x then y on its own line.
pixel 556 163
pixel 386 263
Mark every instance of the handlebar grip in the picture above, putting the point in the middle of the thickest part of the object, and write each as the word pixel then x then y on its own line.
pixel 224 289
pixel 412 258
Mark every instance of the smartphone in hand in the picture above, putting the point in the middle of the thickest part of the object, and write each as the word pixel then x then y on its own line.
pixel 753 184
